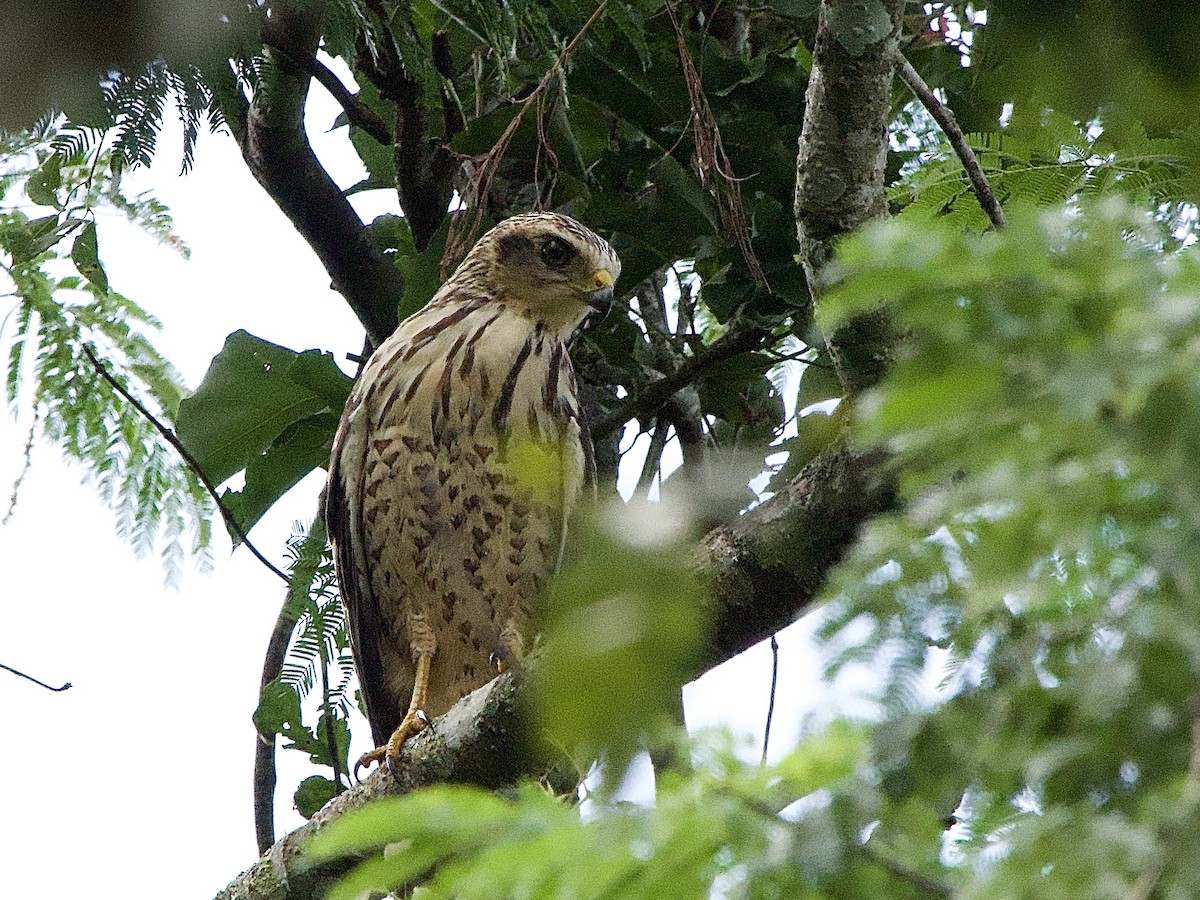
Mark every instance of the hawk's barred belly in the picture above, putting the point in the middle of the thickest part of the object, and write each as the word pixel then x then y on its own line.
pixel 455 467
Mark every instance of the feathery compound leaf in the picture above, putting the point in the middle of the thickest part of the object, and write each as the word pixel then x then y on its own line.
pixel 75 342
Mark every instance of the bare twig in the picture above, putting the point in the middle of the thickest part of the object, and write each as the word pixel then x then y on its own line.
pixel 658 443
pixel 171 438
pixel 922 883
pixel 944 116
pixel 65 686
pixel 771 701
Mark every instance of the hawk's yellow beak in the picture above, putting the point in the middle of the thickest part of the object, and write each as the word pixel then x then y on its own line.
pixel 600 298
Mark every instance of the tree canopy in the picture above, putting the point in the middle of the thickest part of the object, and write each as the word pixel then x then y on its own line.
pixel 914 354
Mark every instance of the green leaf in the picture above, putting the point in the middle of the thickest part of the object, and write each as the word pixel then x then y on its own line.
pixel 44 183
pixel 824 758
pixel 422 272
pixel 312 793
pixel 300 448
pixel 278 705
pixel 445 810
pixel 247 400
pixel 85 253
pixel 319 372
pixel 621 628
pixel 818 384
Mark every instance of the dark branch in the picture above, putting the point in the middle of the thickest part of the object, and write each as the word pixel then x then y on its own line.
pixel 170 437
pixel 944 116
pixel 264 745
pixel 771 696
pixel 358 113
pixel 923 883
pixel 66 686
pixel 275 147
pixel 658 443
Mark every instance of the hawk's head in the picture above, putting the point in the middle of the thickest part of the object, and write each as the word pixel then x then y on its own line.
pixel 548 266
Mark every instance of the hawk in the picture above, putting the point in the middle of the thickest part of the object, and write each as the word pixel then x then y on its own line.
pixel 459 455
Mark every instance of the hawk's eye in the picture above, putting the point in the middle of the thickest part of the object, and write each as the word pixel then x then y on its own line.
pixel 556 252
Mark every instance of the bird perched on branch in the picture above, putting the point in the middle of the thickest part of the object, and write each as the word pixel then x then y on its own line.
pixel 454 469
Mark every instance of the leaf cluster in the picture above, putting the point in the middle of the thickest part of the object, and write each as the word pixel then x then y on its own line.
pixel 718 831
pixel 1044 416
pixel 48 198
pixel 318 656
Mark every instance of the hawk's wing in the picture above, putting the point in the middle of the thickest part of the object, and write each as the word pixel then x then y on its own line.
pixel 343 498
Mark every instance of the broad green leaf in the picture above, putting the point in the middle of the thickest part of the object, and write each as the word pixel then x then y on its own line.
pixel 824 758
pixel 422 273
pixel 449 812
pixel 85 253
pixel 319 372
pixel 621 629
pixel 312 793
pixel 247 400
pixel 44 182
pixel 299 448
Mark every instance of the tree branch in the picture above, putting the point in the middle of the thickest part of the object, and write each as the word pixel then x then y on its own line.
pixel 357 113
pixel 264 745
pixel 944 116
pixel 276 150
pixel 738 340
pixel 840 162
pixel 765 570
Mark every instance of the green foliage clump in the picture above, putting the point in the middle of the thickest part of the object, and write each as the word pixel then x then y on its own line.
pixel 1045 416
pixel 717 830
pixel 74 339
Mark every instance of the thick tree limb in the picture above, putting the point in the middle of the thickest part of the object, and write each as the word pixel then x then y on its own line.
pixel 765 570
pixel 840 163
pixel 357 113
pixel 276 150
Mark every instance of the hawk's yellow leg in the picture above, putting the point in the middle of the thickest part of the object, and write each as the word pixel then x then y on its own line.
pixel 414 720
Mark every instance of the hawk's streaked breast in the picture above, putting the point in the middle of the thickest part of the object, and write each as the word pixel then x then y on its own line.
pixel 442 536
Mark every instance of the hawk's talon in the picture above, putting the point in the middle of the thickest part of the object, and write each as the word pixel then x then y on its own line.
pixel 368 759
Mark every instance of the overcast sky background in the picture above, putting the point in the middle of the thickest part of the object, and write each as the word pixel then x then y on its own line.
pixel 137 781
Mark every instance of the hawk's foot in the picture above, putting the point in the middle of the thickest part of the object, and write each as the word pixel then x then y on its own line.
pixel 413 723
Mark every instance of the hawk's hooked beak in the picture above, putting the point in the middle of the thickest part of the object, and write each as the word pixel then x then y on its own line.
pixel 601 297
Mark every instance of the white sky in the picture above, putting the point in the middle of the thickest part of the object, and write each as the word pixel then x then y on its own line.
pixel 139 777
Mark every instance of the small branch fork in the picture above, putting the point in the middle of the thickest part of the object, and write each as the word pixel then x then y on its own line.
pixel 944 116
pixel 170 437
pixel 357 112
pixel 738 340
